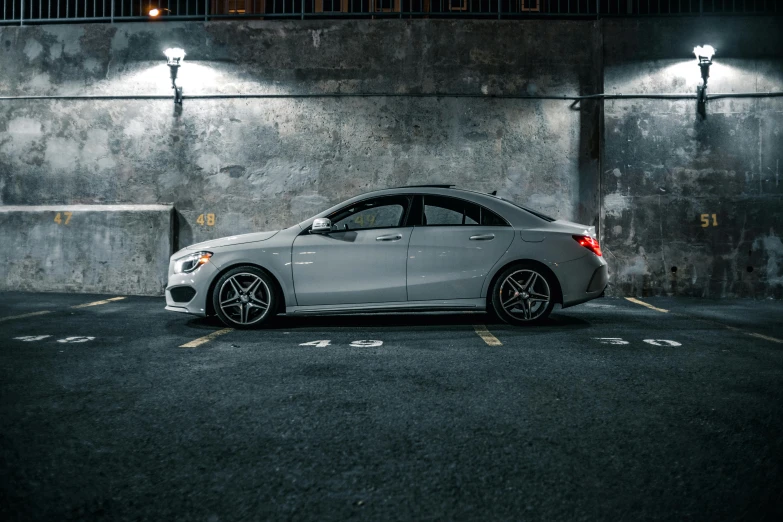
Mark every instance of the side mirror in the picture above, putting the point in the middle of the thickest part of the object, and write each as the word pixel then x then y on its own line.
pixel 321 226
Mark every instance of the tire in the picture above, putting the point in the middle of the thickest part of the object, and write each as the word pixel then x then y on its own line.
pixel 527 292
pixel 247 295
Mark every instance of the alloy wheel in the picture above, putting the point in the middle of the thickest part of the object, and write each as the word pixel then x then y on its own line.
pixel 244 298
pixel 525 295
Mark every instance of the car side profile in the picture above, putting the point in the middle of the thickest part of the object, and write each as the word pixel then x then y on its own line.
pixel 419 248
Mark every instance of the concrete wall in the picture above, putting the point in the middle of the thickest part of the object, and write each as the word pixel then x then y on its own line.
pixel 120 249
pixel 664 166
pixel 263 164
pixel 266 163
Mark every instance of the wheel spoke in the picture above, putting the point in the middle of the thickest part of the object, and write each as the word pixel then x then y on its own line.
pixel 531 282
pixel 230 301
pixel 253 286
pixel 516 285
pixel 510 302
pixel 235 285
pixel 258 303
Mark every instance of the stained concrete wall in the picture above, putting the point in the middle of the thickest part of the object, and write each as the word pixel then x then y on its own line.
pixel 265 163
pixel 665 166
pixel 120 249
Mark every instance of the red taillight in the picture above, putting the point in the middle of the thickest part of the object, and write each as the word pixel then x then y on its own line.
pixel 589 243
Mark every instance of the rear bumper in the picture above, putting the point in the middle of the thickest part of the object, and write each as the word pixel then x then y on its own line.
pixel 582 279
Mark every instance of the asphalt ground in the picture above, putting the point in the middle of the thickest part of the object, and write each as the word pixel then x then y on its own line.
pixel 612 410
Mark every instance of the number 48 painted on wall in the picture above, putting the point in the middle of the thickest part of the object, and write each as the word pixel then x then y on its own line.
pixel 210 221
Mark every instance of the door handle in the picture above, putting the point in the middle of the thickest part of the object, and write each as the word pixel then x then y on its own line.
pixel 482 237
pixel 390 237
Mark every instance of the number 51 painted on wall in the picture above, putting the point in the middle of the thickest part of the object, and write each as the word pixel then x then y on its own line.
pixel 705 220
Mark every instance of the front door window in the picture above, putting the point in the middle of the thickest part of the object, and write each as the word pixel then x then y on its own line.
pixel 387 212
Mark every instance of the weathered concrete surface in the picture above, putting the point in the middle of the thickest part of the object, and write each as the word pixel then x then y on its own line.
pixel 261 163
pixel 664 167
pixel 121 249
pixel 266 163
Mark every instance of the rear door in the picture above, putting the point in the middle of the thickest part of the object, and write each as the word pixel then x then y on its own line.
pixel 453 247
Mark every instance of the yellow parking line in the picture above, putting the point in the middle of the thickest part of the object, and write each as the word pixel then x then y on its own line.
pixel 765 337
pixel 96 303
pixel 31 314
pixel 206 338
pixel 728 327
pixel 486 335
pixel 648 305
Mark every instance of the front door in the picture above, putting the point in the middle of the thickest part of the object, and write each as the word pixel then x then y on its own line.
pixel 453 247
pixel 363 260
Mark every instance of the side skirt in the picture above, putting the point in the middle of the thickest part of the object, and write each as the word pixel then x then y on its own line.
pixel 404 306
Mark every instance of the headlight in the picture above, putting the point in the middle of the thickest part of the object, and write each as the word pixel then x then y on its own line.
pixel 191 262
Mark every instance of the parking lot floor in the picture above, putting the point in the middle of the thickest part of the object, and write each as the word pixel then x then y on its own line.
pixel 658 408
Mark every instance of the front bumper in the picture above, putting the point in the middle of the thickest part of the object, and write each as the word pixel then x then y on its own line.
pixel 198 281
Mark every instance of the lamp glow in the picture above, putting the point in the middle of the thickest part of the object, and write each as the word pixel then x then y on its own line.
pixel 154 12
pixel 174 56
pixel 704 54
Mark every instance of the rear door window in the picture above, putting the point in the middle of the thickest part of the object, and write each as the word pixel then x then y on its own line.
pixel 446 211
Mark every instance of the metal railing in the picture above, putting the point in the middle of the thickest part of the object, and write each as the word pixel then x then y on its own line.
pixel 21 12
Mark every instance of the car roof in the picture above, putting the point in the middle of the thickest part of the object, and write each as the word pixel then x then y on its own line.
pixel 515 215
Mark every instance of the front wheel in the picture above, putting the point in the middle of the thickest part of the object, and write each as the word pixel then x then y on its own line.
pixel 243 297
pixel 523 294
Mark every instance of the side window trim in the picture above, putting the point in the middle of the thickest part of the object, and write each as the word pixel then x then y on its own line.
pixel 400 224
pixel 482 209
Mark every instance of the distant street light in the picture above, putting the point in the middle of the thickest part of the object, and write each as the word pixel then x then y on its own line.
pixel 174 58
pixel 155 12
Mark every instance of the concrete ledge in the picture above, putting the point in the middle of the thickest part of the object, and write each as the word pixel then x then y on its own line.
pixel 122 249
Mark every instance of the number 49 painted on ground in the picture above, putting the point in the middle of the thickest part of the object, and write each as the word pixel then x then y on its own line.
pixel 356 344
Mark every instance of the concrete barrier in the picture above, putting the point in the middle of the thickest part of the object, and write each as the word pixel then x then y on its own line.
pixel 119 249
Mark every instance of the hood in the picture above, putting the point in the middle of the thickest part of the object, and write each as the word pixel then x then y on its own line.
pixel 232 240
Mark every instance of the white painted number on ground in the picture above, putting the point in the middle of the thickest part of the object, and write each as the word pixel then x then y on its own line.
pixel 356 344
pixel 611 340
pixel 662 342
pixel 366 344
pixel 78 339
pixel 28 338
pixel 317 344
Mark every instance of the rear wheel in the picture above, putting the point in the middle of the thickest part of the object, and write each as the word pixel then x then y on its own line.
pixel 523 294
pixel 243 297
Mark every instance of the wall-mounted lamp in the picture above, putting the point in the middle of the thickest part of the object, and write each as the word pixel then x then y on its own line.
pixel 174 58
pixel 704 54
